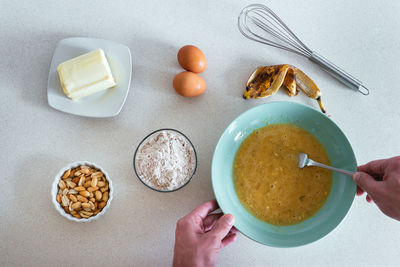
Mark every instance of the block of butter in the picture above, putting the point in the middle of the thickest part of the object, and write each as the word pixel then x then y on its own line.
pixel 85 75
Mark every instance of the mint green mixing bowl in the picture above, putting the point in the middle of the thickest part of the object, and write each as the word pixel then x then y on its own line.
pixel 340 153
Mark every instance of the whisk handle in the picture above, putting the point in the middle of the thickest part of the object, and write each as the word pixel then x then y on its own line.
pixel 338 73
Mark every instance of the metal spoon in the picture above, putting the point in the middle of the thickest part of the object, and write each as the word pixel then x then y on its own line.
pixel 305 161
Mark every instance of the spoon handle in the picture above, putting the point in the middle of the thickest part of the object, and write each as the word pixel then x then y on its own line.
pixel 313 163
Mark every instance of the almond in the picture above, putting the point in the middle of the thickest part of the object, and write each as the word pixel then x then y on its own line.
pixel 65 192
pixel 76 206
pixel 66 174
pixel 84 193
pixel 65 201
pixel 82 198
pixel 98 195
pixel 97 175
pixel 58 198
pixel 61 184
pixel 94 181
pixel 79 188
pixel 72 192
pixel 81 181
pixel 86 214
pixel 91 189
pixel 87 184
pixel 84 171
pixel 66 209
pixel 70 184
pixel 86 206
pixel 101 183
pixel 105 196
pixel 73 198
pixel 73 171
pixel 101 205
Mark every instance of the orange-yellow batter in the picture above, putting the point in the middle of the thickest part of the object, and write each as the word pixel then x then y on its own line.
pixel 268 181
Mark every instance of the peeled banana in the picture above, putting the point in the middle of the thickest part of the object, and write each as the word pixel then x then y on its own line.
pixel 266 81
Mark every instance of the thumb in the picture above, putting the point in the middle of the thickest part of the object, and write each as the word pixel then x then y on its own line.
pixel 366 182
pixel 222 226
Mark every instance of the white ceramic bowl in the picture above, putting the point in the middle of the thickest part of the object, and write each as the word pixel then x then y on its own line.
pixel 54 191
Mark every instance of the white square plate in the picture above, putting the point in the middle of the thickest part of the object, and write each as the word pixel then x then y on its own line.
pixel 107 103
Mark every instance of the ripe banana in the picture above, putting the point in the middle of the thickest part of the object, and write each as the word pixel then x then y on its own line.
pixel 266 81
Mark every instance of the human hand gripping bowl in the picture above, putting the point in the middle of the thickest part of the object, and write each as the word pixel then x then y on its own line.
pixel 201 234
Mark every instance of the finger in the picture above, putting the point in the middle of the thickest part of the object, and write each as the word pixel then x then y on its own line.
pixel 229 239
pixel 204 209
pixel 369 199
pixel 366 182
pixel 222 226
pixel 376 167
pixel 359 191
pixel 233 230
pixel 210 221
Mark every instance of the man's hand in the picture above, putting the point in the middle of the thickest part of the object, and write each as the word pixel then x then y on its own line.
pixel 200 235
pixel 381 180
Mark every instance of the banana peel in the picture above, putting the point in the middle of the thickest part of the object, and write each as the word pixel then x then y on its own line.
pixel 266 81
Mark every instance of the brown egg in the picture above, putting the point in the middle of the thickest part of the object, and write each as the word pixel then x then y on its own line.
pixel 189 84
pixel 192 59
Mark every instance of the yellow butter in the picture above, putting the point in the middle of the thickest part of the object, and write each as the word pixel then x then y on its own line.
pixel 85 75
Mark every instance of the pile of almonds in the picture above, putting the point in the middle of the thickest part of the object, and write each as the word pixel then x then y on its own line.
pixel 83 191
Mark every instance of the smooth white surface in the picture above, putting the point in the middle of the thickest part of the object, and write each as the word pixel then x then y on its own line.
pixel 138 229
pixel 107 103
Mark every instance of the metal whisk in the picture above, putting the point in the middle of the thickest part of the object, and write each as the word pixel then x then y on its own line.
pixel 257 22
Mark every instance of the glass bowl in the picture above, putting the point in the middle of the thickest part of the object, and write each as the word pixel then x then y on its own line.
pixel 148 137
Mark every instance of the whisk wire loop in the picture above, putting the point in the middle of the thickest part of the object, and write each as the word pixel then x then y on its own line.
pixel 278 28
pixel 275 31
pixel 265 19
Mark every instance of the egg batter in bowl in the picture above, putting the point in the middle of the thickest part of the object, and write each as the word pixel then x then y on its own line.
pixel 267 179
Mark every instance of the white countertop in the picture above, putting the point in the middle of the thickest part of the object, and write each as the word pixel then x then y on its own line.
pixel 138 229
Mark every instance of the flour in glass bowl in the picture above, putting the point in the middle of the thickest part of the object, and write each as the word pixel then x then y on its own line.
pixel 165 160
